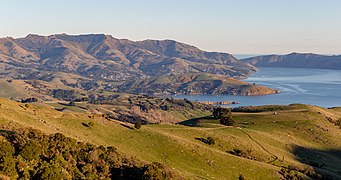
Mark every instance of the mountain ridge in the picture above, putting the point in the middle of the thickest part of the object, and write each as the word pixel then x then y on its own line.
pixel 297 60
pixel 107 58
pixel 101 61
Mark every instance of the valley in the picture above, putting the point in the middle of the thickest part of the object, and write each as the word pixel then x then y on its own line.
pixel 104 93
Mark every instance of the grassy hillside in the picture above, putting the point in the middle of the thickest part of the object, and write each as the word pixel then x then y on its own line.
pixel 193 83
pixel 268 141
pixel 8 91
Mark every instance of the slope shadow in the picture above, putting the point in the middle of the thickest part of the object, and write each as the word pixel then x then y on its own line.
pixel 194 121
pixel 7 133
pixel 126 126
pixel 327 163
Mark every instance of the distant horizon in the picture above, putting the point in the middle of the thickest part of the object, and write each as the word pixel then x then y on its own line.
pixel 239 27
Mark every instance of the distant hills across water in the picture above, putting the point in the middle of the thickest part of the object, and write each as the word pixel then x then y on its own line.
pixel 101 62
pixel 296 60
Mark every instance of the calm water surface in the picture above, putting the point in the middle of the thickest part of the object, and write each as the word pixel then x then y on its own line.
pixel 308 86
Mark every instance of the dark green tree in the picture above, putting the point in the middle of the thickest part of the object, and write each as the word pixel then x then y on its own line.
pixel 227 121
pixel 220 112
pixel 224 115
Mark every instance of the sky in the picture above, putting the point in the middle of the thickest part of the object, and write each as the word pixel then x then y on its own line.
pixel 233 26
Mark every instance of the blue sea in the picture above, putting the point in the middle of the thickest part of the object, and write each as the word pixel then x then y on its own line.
pixel 320 87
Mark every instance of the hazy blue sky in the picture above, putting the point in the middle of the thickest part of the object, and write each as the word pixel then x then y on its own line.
pixel 234 26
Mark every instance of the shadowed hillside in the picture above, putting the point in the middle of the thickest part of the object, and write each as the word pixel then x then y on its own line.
pixel 325 162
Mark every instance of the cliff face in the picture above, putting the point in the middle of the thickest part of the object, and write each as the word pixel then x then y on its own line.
pixel 296 60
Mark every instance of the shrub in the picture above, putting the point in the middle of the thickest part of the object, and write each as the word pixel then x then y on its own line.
pixel 90 124
pixel 242 153
pixel 337 123
pixel 34 155
pixel 290 174
pixel 154 171
pixel 138 124
pixel 50 171
pixel 72 103
pixel 29 100
pixel 209 140
pixel 7 162
pixel 31 151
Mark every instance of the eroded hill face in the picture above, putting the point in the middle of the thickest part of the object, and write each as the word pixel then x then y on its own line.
pixel 103 57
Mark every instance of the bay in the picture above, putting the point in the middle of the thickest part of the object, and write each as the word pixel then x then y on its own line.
pixel 321 87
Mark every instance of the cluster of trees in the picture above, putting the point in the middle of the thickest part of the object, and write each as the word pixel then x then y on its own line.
pixel 69 95
pixel 266 108
pixel 181 104
pixel 224 115
pixel 30 154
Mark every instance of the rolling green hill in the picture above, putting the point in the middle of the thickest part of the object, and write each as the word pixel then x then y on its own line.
pixel 262 145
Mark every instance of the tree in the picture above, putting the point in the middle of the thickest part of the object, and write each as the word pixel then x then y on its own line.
pixel 210 141
pixel 227 121
pixel 224 115
pixel 138 124
pixel 220 112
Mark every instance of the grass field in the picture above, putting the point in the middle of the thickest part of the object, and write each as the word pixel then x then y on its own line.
pixel 7 90
pixel 271 140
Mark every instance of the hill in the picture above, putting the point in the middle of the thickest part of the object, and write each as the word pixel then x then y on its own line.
pixel 71 87
pixel 296 60
pixel 201 83
pixel 266 142
pixel 103 57
pixel 41 65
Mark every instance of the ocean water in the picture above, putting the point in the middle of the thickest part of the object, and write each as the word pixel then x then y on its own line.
pixel 320 87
